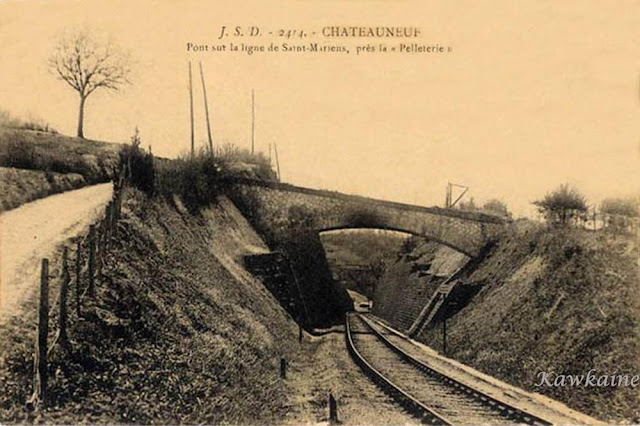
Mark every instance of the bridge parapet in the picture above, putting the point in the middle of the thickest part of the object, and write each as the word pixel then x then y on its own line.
pixel 283 207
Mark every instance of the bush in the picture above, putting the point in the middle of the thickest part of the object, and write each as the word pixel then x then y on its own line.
pixel 21 155
pixel 32 123
pixel 562 206
pixel 468 205
pixel 237 161
pixel 497 207
pixel 196 179
pixel 139 165
pixel 620 214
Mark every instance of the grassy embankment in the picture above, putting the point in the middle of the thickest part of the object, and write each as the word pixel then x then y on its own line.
pixel 35 164
pixel 179 332
pixel 555 300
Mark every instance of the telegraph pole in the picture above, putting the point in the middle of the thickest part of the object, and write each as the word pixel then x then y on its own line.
pixel 206 109
pixel 253 121
pixel 448 203
pixel 191 110
pixel 275 148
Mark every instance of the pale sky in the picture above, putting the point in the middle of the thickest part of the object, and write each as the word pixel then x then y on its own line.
pixel 534 94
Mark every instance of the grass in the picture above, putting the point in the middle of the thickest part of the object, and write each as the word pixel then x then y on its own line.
pixel 563 300
pixel 178 332
pixel 37 150
pixel 21 186
pixel 32 123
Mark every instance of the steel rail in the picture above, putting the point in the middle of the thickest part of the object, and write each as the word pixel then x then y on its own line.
pixel 506 409
pixel 410 403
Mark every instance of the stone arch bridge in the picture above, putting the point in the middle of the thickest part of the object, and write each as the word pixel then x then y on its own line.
pixel 290 219
pixel 282 208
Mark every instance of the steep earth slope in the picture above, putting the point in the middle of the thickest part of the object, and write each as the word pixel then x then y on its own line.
pixel 178 331
pixel 552 300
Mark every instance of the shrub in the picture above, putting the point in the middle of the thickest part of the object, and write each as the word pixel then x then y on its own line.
pixel 32 123
pixel 196 179
pixel 231 158
pixel 621 214
pixel 562 206
pixel 21 155
pixel 139 165
pixel 496 206
pixel 468 205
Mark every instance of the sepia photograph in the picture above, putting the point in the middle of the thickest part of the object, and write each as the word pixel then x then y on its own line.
pixel 305 212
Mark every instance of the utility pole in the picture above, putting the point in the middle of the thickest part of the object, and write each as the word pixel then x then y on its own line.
pixel 447 199
pixel 275 148
pixel 253 121
pixel 444 335
pixel 448 203
pixel 206 109
pixel 191 110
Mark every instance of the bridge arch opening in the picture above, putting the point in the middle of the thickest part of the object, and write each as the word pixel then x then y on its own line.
pixel 409 232
pixel 366 261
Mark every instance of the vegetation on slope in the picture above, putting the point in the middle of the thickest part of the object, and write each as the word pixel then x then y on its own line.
pixel 560 300
pixel 36 150
pixel 32 123
pixel 21 186
pixel 178 331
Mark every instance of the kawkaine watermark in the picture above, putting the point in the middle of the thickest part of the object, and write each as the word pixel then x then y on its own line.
pixel 590 379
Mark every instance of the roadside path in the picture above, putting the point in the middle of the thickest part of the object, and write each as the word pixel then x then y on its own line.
pixel 33 231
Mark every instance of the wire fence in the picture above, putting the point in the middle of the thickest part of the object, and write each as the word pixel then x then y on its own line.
pixel 80 272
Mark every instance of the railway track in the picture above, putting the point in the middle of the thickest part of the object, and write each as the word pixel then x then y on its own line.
pixel 426 393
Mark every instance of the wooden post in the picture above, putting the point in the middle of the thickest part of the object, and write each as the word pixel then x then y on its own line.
pixel 40 361
pixel 118 203
pixel 101 243
pixel 193 149
pixel 253 121
pixel 78 277
pixel 444 335
pixel 64 289
pixel 92 259
pixel 107 223
pixel 299 333
pixel 333 409
pixel 283 368
pixel 275 149
pixel 206 109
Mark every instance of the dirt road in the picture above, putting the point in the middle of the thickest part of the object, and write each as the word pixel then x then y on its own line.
pixel 33 231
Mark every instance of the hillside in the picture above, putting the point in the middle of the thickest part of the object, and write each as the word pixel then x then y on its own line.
pixel 19 186
pixel 35 164
pixel 179 332
pixel 36 150
pixel 553 300
pixel 410 280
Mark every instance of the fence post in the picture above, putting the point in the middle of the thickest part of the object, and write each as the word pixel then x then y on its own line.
pixel 78 277
pixel 64 289
pixel 283 368
pixel 40 360
pixel 106 223
pixel 92 259
pixel 444 335
pixel 101 244
pixel 112 216
pixel 333 409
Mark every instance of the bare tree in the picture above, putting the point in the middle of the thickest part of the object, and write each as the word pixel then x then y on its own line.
pixel 86 65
